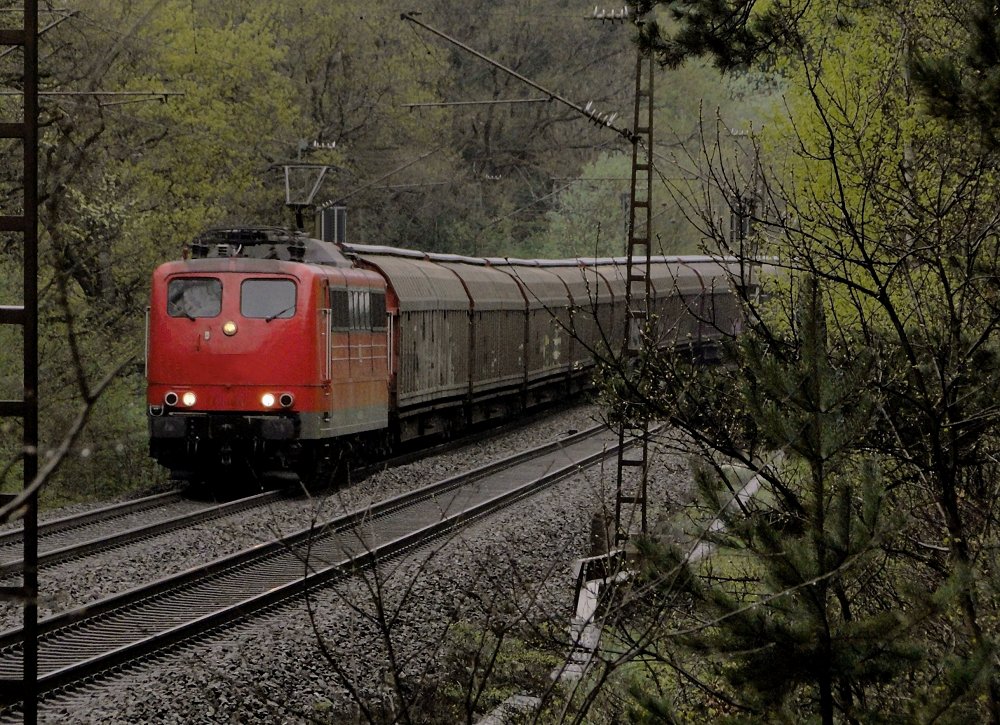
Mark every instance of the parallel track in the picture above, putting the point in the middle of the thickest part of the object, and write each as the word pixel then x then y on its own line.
pixel 62 532
pixel 51 529
pixel 121 629
pixel 68 541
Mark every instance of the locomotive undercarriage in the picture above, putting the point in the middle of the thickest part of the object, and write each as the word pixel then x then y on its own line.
pixel 204 448
pixel 201 446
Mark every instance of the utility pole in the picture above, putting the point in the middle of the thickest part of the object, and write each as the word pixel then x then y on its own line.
pixel 633 437
pixel 632 495
pixel 629 494
pixel 25 315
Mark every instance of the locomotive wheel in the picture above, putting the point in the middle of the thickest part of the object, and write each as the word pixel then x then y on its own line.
pixel 324 466
pixel 219 482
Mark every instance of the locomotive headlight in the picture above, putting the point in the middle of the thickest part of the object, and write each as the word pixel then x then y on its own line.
pixel 267 400
pixel 188 398
pixel 229 329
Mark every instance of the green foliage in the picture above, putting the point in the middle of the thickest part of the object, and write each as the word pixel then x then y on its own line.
pixel 888 435
pixel 803 637
pixel 224 131
pixel 112 457
pixel 966 89
pixel 736 34
pixel 591 213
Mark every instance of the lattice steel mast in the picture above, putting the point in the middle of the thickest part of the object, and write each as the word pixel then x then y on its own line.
pixel 639 244
pixel 632 494
pixel 25 315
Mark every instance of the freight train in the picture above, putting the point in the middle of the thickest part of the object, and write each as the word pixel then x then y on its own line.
pixel 275 353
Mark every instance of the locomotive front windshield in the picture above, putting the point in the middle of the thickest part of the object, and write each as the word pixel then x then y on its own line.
pixel 267 298
pixel 193 297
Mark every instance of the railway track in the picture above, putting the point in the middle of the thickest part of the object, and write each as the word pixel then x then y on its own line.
pixel 113 632
pixel 115 525
pixel 101 530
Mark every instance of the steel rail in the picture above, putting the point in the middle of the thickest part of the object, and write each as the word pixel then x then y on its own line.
pixel 115 631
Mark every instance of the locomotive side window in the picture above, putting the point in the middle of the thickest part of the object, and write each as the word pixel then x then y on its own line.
pixel 353 308
pixel 357 309
pixel 339 305
pixel 267 298
pixel 378 311
pixel 194 297
pixel 358 305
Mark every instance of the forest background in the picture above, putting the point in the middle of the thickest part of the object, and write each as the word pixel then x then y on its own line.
pixel 855 146
pixel 127 180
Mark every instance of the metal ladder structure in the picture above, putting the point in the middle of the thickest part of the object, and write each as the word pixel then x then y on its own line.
pixel 631 494
pixel 25 316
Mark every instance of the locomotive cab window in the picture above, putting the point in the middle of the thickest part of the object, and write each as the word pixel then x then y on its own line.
pixel 193 297
pixel 267 298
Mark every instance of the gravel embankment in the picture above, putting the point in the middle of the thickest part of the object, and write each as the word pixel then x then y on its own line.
pixel 513 568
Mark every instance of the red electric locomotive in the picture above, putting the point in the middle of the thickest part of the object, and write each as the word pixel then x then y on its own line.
pixel 262 348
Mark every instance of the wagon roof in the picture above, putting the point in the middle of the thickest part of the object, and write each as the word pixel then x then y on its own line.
pixel 586 285
pixel 542 287
pixel 588 278
pixel 418 283
pixel 488 288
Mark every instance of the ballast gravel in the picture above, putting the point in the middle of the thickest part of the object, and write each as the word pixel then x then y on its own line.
pixel 367 647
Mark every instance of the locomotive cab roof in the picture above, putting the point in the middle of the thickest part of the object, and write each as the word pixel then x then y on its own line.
pixel 265 243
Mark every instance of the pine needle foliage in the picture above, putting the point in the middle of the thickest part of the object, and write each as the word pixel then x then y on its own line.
pixel 966 88
pixel 812 637
pixel 961 86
